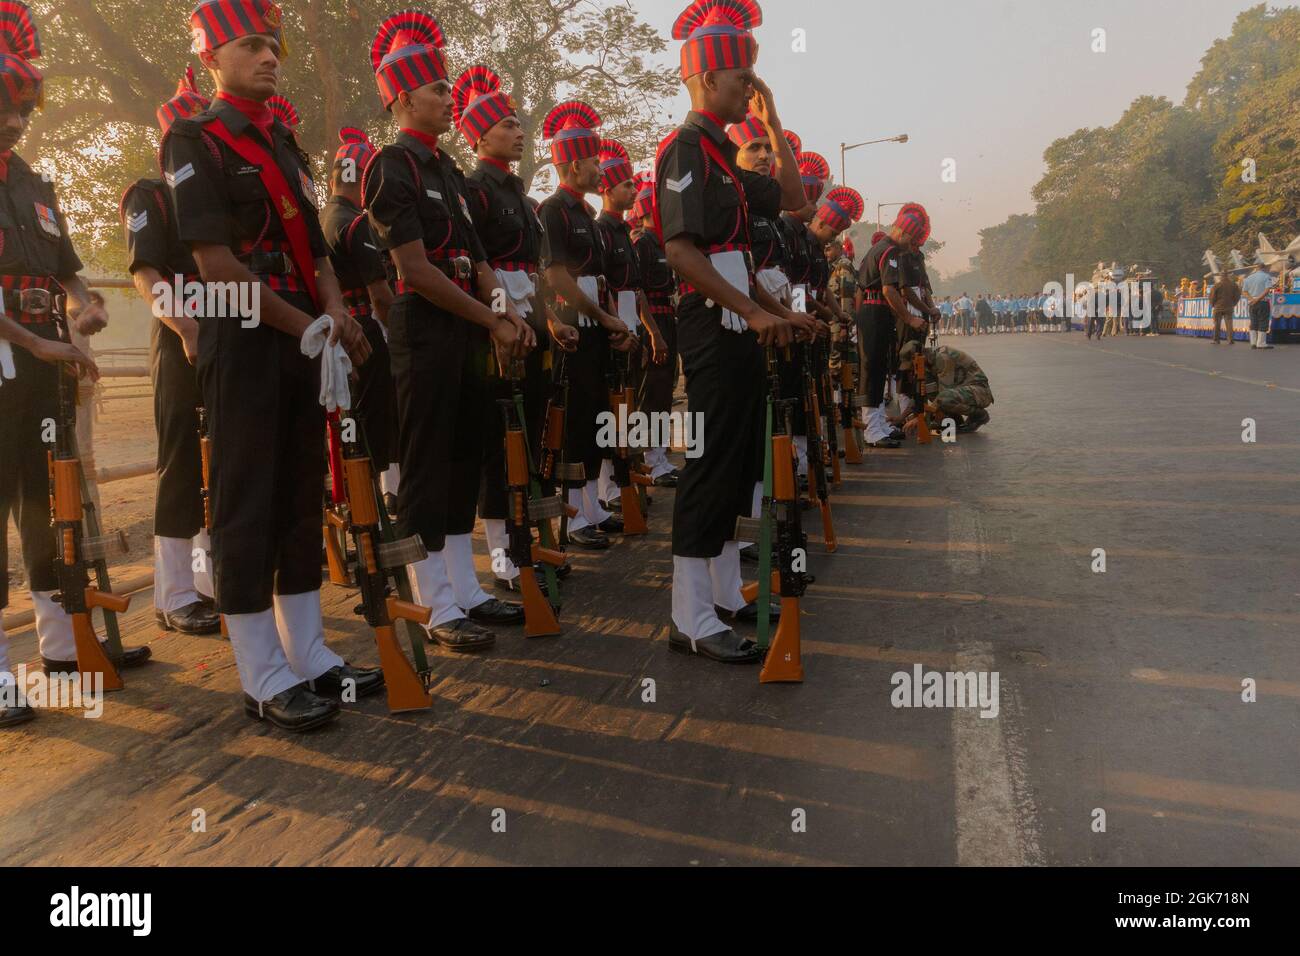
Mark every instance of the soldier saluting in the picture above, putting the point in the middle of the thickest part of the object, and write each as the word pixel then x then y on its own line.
pixel 415 195
pixel 182 597
pixel 37 265
pixel 245 206
pixel 724 321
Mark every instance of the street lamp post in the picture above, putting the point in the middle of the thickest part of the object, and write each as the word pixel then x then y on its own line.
pixel 885 205
pixel 845 147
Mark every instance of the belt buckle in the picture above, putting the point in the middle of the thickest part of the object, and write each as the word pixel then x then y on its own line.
pixel 461 267
pixel 35 301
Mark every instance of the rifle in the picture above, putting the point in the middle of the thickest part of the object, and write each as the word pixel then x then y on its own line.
pixel 630 480
pixel 848 389
pixel 826 404
pixel 539 615
pixel 381 557
pixel 780 518
pixel 205 458
pixel 818 492
pixel 335 525
pixel 923 435
pixel 554 465
pixel 541 509
pixel 78 549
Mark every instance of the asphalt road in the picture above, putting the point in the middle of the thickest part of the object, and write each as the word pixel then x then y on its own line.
pixel 1119 692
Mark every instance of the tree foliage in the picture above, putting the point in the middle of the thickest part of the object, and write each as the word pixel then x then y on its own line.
pixel 110 63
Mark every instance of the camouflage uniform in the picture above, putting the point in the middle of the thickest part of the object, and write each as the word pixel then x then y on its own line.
pixel 953 381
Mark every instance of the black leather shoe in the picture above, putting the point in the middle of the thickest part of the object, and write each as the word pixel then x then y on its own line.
pixel 890 442
pixel 493 611
pixel 209 603
pixel 747 614
pixel 614 506
pixel 897 435
pixel 462 635
pixel 561 572
pixel 131 657
pixel 195 618
pixel 974 421
pixel 589 538
pixel 611 525
pixel 668 480
pixel 725 647
pixel 295 709
pixel 367 681
pixel 512 585
pixel 16 713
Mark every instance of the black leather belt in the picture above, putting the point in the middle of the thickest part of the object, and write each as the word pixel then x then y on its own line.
pixel 35 302
pixel 461 267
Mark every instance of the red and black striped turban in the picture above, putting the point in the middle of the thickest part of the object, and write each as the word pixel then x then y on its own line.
pixel 284 111
pixel 215 23
pixel 479 103
pixel 914 226
pixel 813 172
pixel 746 131
pixel 916 210
pixel 570 127
pixel 354 145
pixel 848 248
pixel 842 208
pixel 407 54
pixel 796 144
pixel 188 101
pixel 717 35
pixel 20 82
pixel 615 164
pixel 645 196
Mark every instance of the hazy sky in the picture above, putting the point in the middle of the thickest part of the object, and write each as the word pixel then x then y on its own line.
pixel 989 83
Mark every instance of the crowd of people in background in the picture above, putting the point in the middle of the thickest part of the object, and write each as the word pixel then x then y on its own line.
pixel 989 313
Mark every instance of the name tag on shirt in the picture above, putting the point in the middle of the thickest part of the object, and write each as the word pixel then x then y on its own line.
pixel 433 194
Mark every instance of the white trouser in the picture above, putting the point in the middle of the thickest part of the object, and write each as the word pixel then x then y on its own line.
pixel 431 588
pixel 693 611
pixel 878 428
pixel 590 511
pixel 498 544
pixel 459 556
pixel 657 459
pixel 53 628
pixel 724 570
pixel 605 483
pixel 388 481
pixel 173 573
pixel 302 634
pixel 800 443
pixel 905 405
pixel 203 579
pixel 260 658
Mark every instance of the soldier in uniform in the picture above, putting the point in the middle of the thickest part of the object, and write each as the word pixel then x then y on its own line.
pixel 512 239
pixel 955 384
pixel 880 305
pixel 575 268
pixel 37 265
pixel 658 380
pixel 245 206
pixel 703 202
pixel 415 195
pixel 625 289
pixel 158 261
pixel 363 280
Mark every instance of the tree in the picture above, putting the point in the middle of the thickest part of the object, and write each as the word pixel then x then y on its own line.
pixel 110 63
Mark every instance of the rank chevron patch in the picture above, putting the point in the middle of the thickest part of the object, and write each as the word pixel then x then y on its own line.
pixel 677 185
pixel 182 174
pixel 139 221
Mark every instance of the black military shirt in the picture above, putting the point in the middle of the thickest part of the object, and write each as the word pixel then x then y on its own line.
pixel 219 198
pixel 656 277
pixel 698 199
pixel 914 271
pixel 34 237
pixel 767 243
pixel 819 270
pixel 622 266
pixel 881 266
pixel 151 238
pixel 572 239
pixel 415 192
pixel 798 252
pixel 354 254
pixel 504 218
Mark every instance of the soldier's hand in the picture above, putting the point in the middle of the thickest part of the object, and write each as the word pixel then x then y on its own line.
pixel 52 351
pixel 770 329
pixel 658 350
pixel 525 340
pixel 348 331
pixel 611 323
pixel 504 336
pixel 565 336
pixel 90 319
pixel 190 341
pixel 762 104
pixel 623 340
pixel 804 326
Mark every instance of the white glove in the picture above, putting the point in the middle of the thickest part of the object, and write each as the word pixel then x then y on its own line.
pixel 7 369
pixel 335 365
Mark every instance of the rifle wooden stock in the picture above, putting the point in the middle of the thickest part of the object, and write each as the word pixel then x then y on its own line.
pixel 539 615
pixel 91 659
pixel 783 664
pixel 923 435
pixel 621 404
pixel 205 463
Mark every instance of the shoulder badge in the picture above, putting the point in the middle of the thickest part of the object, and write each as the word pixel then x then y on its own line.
pixel 48 219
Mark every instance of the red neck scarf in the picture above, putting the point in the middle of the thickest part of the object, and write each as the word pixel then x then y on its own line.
pixel 425 138
pixel 715 118
pixel 258 113
pixel 499 164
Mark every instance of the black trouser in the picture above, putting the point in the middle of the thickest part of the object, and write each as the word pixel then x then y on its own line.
pixel 1260 314
pixel 726 381
pixel 655 390
pixel 267 428
pixel 588 397
pixel 1094 322
pixel 790 365
pixel 1224 318
pixel 493 499
pixel 178 506
pixel 440 374
pixel 876 332
pixel 26 401
pixel 375 402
